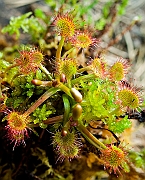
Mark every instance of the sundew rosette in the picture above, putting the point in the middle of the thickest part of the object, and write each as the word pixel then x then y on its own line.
pixel 17 129
pixel 29 60
pixel 65 24
pixel 67 67
pixel 83 39
pixel 129 96
pixel 119 69
pixel 66 145
pixel 99 66
pixel 115 159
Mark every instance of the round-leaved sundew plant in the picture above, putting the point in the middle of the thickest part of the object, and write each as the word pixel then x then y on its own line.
pixel 99 66
pixel 129 96
pixel 115 158
pixel 66 144
pixel 83 39
pixel 72 97
pixel 119 69
pixel 29 60
pixel 65 24
pixel 17 128
pixel 67 67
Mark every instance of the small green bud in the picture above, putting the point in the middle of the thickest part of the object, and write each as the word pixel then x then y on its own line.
pixel 36 82
pixel 76 112
pixel 76 95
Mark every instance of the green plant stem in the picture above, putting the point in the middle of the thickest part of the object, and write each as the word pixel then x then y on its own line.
pixel 84 78
pixel 64 89
pixel 87 68
pixel 1 96
pixel 10 67
pixel 46 71
pixel 68 52
pixel 45 96
pixel 92 139
pixel 59 49
pixel 69 83
pixel 15 76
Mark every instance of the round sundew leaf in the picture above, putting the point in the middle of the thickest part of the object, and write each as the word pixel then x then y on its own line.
pixel 68 67
pixel 117 71
pixel 65 25
pixel 114 158
pixel 128 98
